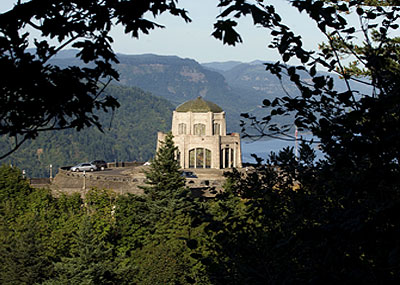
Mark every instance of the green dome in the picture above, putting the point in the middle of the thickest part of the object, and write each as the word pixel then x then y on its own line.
pixel 199 105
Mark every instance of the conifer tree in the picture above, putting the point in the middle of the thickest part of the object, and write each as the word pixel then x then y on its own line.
pixel 166 191
pixel 23 255
pixel 157 215
pixel 164 257
pixel 168 200
pixel 164 179
pixel 13 186
pixel 91 260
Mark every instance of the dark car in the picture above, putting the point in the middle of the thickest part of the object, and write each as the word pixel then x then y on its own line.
pixel 188 174
pixel 100 164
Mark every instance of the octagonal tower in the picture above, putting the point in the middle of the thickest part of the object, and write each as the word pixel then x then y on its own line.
pixel 199 130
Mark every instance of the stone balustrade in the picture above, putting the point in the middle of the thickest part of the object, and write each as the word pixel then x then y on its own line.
pixel 206 184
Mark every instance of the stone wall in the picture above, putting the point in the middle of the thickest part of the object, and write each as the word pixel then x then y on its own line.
pixel 123 164
pixel 208 183
pixel 70 182
pixel 40 182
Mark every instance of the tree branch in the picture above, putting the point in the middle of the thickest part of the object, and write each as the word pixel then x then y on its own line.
pixel 17 145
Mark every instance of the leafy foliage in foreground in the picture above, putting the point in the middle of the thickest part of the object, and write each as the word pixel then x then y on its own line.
pixel 292 220
pixel 296 221
pixel 37 95
pixel 332 221
pixel 101 239
pixel 288 221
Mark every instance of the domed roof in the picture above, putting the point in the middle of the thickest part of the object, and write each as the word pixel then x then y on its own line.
pixel 199 105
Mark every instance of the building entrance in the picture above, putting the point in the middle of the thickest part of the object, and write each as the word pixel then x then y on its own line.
pixel 199 158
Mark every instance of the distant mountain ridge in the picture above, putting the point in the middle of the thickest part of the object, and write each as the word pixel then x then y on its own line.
pixel 235 86
pixel 171 77
pixel 227 65
pixel 221 66
pixel 167 81
pixel 179 80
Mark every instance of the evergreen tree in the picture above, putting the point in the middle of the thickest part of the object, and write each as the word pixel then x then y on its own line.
pixel 164 257
pixel 23 255
pixel 91 260
pixel 155 225
pixel 13 186
pixel 168 200
pixel 165 180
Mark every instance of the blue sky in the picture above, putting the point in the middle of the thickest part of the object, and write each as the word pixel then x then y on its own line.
pixel 194 40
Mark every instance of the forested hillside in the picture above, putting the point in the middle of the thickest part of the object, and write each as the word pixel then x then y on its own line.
pixel 236 87
pixel 253 76
pixel 129 134
pixel 179 80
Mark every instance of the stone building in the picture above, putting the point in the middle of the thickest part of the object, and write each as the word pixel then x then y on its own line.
pixel 199 130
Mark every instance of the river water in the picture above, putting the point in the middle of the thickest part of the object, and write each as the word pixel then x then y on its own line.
pixel 262 148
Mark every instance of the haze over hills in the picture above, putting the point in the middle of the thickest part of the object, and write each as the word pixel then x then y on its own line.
pixel 236 87
pixel 252 80
pixel 221 66
pixel 179 80
pixel 167 81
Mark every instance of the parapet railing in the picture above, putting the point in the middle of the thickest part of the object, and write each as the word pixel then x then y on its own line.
pixel 99 177
pixel 37 181
pixel 114 164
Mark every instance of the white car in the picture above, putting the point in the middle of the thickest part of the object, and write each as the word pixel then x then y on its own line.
pixel 84 167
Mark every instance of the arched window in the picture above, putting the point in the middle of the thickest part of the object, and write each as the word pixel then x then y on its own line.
pixel 182 129
pixel 178 156
pixel 192 158
pixel 227 158
pixel 199 158
pixel 199 129
pixel 217 129
pixel 208 158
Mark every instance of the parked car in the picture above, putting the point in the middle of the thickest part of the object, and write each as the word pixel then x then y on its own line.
pixel 84 167
pixel 100 164
pixel 188 174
